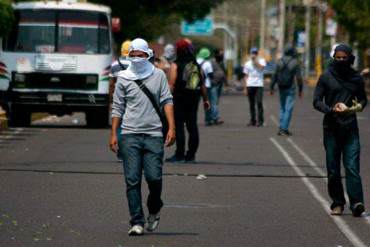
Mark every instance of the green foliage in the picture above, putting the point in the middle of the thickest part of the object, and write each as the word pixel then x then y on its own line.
pixel 150 18
pixel 354 16
pixel 6 17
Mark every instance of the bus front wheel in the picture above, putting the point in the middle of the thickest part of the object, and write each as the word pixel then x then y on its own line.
pixel 19 117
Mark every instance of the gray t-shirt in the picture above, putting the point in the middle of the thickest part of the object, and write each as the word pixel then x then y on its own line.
pixel 134 107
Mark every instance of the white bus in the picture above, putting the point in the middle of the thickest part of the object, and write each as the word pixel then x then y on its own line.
pixel 56 59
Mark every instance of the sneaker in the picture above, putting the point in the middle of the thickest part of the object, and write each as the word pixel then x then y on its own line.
pixel 218 122
pixel 337 210
pixel 175 159
pixel 260 124
pixel 136 230
pixel 288 133
pixel 281 133
pixel 153 222
pixel 358 209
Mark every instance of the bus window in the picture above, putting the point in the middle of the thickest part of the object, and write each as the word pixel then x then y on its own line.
pixel 79 32
pixel 34 31
pixel 83 32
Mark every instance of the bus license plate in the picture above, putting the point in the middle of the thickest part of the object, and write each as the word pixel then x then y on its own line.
pixel 54 98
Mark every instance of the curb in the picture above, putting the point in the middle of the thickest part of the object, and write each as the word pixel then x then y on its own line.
pixel 3 120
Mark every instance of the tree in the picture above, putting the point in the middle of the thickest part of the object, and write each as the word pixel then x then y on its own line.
pixel 6 17
pixel 150 18
pixel 354 16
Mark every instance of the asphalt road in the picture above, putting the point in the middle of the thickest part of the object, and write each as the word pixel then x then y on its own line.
pixel 61 186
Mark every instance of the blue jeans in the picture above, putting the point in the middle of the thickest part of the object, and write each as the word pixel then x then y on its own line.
pixel 343 143
pixel 142 152
pixel 286 107
pixel 212 114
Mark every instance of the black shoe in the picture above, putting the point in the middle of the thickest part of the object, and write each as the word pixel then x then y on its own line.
pixel 358 209
pixel 260 124
pixel 251 124
pixel 209 123
pixel 175 159
pixel 281 133
pixel 284 133
pixel 288 133
pixel 190 160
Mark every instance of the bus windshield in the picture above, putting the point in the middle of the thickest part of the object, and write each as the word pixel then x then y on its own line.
pixel 64 31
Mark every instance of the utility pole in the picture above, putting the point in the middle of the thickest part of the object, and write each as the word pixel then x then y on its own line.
pixel 263 25
pixel 281 28
pixel 307 41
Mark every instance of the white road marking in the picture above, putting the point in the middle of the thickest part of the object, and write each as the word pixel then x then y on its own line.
pixel 307 158
pixel 342 225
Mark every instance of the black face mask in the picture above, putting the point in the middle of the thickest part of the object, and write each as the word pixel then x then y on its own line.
pixel 342 64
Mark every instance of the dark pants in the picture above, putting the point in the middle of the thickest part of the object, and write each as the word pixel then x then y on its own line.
pixel 186 111
pixel 142 152
pixel 343 143
pixel 255 95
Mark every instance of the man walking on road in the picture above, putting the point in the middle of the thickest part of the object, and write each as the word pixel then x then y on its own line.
pixel 253 70
pixel 340 94
pixel 141 146
pixel 288 71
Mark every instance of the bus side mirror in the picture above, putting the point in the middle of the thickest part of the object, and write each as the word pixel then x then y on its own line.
pixel 116 24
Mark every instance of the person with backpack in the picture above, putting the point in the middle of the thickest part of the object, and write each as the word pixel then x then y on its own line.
pixel 189 87
pixel 140 94
pixel 205 62
pixel 253 70
pixel 340 94
pixel 287 74
pixel 219 72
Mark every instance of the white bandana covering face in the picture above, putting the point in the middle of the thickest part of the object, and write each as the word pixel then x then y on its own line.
pixel 140 68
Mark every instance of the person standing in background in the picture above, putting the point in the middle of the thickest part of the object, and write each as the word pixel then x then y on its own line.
pixel 204 60
pixel 168 65
pixel 189 87
pixel 253 87
pixel 288 72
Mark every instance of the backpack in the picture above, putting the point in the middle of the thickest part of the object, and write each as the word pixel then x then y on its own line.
pixel 192 76
pixel 285 75
pixel 218 74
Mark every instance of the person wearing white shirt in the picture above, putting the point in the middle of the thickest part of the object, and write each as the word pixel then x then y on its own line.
pixel 253 88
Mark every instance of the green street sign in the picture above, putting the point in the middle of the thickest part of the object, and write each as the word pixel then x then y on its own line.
pixel 202 27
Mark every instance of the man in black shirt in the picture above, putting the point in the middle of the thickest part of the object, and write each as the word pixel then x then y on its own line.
pixel 339 94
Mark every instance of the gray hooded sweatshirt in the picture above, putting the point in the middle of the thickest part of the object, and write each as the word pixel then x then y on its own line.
pixel 134 107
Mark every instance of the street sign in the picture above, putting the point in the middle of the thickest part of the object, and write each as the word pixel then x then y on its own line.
pixel 202 27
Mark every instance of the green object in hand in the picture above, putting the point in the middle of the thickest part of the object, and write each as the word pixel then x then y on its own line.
pixel 356 107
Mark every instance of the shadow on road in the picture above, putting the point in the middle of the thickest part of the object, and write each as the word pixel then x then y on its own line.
pixel 170 234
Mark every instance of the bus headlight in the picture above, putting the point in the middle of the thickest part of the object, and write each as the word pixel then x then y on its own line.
pixel 91 79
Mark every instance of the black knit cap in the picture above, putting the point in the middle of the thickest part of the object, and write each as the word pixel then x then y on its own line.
pixel 344 48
